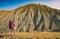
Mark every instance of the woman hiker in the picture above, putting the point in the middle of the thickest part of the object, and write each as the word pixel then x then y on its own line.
pixel 12 26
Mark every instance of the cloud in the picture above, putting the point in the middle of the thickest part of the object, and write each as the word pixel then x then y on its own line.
pixel 54 4
pixel 50 3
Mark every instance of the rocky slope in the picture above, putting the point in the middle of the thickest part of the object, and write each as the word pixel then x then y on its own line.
pixel 30 18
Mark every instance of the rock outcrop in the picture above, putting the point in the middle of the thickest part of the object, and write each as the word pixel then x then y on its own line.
pixel 30 18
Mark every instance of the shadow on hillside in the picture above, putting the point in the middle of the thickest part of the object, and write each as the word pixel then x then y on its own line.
pixel 56 30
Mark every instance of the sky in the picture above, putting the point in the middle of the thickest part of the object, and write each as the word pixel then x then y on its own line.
pixel 12 4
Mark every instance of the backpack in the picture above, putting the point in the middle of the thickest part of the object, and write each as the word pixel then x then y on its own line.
pixel 11 24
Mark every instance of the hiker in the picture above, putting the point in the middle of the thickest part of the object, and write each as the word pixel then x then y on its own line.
pixel 12 26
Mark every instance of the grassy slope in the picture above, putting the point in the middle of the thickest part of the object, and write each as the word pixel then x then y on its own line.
pixel 33 35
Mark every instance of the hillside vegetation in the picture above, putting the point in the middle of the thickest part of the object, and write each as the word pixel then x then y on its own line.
pixel 30 18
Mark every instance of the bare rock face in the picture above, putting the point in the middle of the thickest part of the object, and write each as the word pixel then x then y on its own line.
pixel 31 18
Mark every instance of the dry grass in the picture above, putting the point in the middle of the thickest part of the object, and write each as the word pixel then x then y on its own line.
pixel 33 35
